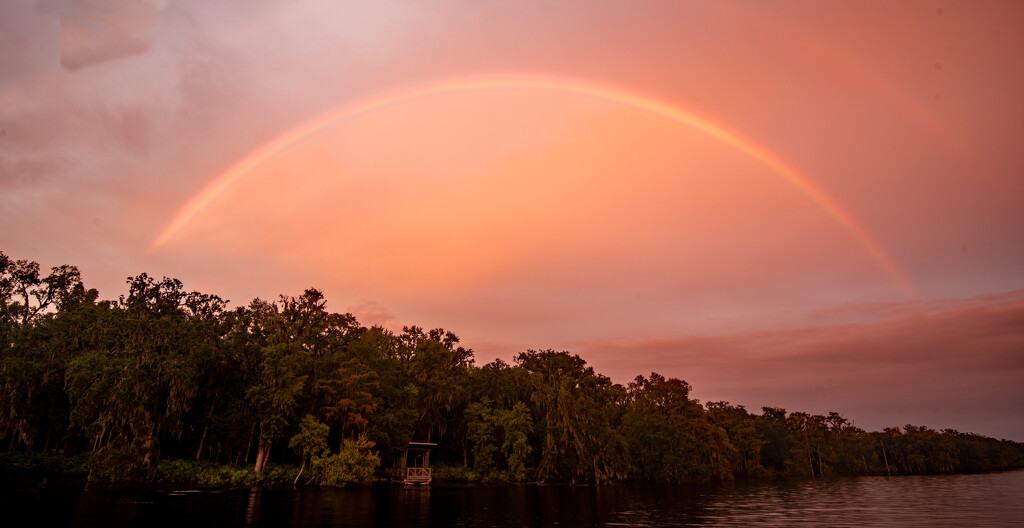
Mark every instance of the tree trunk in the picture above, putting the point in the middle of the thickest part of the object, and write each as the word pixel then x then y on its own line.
pixel 302 467
pixel 262 452
pixel 202 439
pixel 206 428
pixel 105 432
pixel 886 459
pixel 540 468
pixel 151 451
pixel 248 448
pixel 49 433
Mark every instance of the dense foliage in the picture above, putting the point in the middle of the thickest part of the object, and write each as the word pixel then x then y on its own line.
pixel 139 385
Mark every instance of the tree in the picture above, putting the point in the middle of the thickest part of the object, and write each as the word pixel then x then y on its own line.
pixel 483 434
pixel 741 427
pixel 137 376
pixel 392 424
pixel 516 424
pixel 275 395
pixel 32 352
pixel 808 432
pixel 167 372
pixel 310 441
pixel 772 427
pixel 354 464
pixel 671 438
pixel 577 408
pixel 349 397
pixel 24 295
pixel 439 369
pixel 500 438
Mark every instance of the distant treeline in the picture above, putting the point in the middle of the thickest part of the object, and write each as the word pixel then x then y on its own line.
pixel 165 373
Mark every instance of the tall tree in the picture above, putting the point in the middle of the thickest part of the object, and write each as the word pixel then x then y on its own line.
pixel 670 436
pixel 142 380
pixel 576 405
pixel 349 397
pixel 275 395
pixel 440 370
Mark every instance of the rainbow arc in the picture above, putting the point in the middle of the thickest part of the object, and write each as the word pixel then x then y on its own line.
pixel 636 100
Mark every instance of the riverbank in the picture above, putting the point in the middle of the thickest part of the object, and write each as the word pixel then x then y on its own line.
pixel 167 473
pixel 206 474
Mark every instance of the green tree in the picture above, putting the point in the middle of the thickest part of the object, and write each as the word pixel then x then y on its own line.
pixel 743 436
pixel 349 397
pixel 275 395
pixel 671 438
pixel 483 434
pixel 439 369
pixel 577 406
pixel 311 440
pixel 25 295
pixel 144 355
pixel 772 427
pixel 392 424
pixel 516 424
pixel 500 438
pixel 354 464
pixel 34 347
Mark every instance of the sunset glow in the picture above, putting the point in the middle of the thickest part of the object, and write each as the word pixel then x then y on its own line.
pixel 792 204
pixel 507 82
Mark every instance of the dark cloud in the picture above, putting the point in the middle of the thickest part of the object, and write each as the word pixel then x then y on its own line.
pixel 944 364
pixel 17 172
pixel 128 125
pixel 92 31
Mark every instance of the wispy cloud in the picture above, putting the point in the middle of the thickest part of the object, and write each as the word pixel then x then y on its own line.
pixel 92 32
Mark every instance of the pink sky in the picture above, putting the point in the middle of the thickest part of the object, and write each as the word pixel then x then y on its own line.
pixel 878 273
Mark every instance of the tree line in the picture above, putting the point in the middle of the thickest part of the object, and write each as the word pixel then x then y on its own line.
pixel 163 373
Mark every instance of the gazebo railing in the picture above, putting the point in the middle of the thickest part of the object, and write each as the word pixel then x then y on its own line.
pixel 412 474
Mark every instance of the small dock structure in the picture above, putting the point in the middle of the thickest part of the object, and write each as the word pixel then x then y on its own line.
pixel 413 465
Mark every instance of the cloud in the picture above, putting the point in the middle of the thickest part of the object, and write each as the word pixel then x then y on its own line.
pixel 92 31
pixel 370 313
pixel 943 364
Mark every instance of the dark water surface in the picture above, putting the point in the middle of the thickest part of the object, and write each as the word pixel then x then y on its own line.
pixel 994 499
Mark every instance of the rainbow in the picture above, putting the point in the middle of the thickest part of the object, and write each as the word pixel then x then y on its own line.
pixel 605 92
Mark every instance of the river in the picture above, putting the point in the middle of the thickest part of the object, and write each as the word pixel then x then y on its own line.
pixel 993 499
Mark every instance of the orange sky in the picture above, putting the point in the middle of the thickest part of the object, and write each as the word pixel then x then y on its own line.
pixel 866 219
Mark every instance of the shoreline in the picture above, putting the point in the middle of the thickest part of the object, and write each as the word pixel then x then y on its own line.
pixel 204 475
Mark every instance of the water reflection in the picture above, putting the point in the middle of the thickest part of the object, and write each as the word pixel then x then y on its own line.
pixel 252 510
pixel 964 500
pixel 969 500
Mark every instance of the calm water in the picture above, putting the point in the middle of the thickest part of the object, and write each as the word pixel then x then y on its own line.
pixel 995 499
